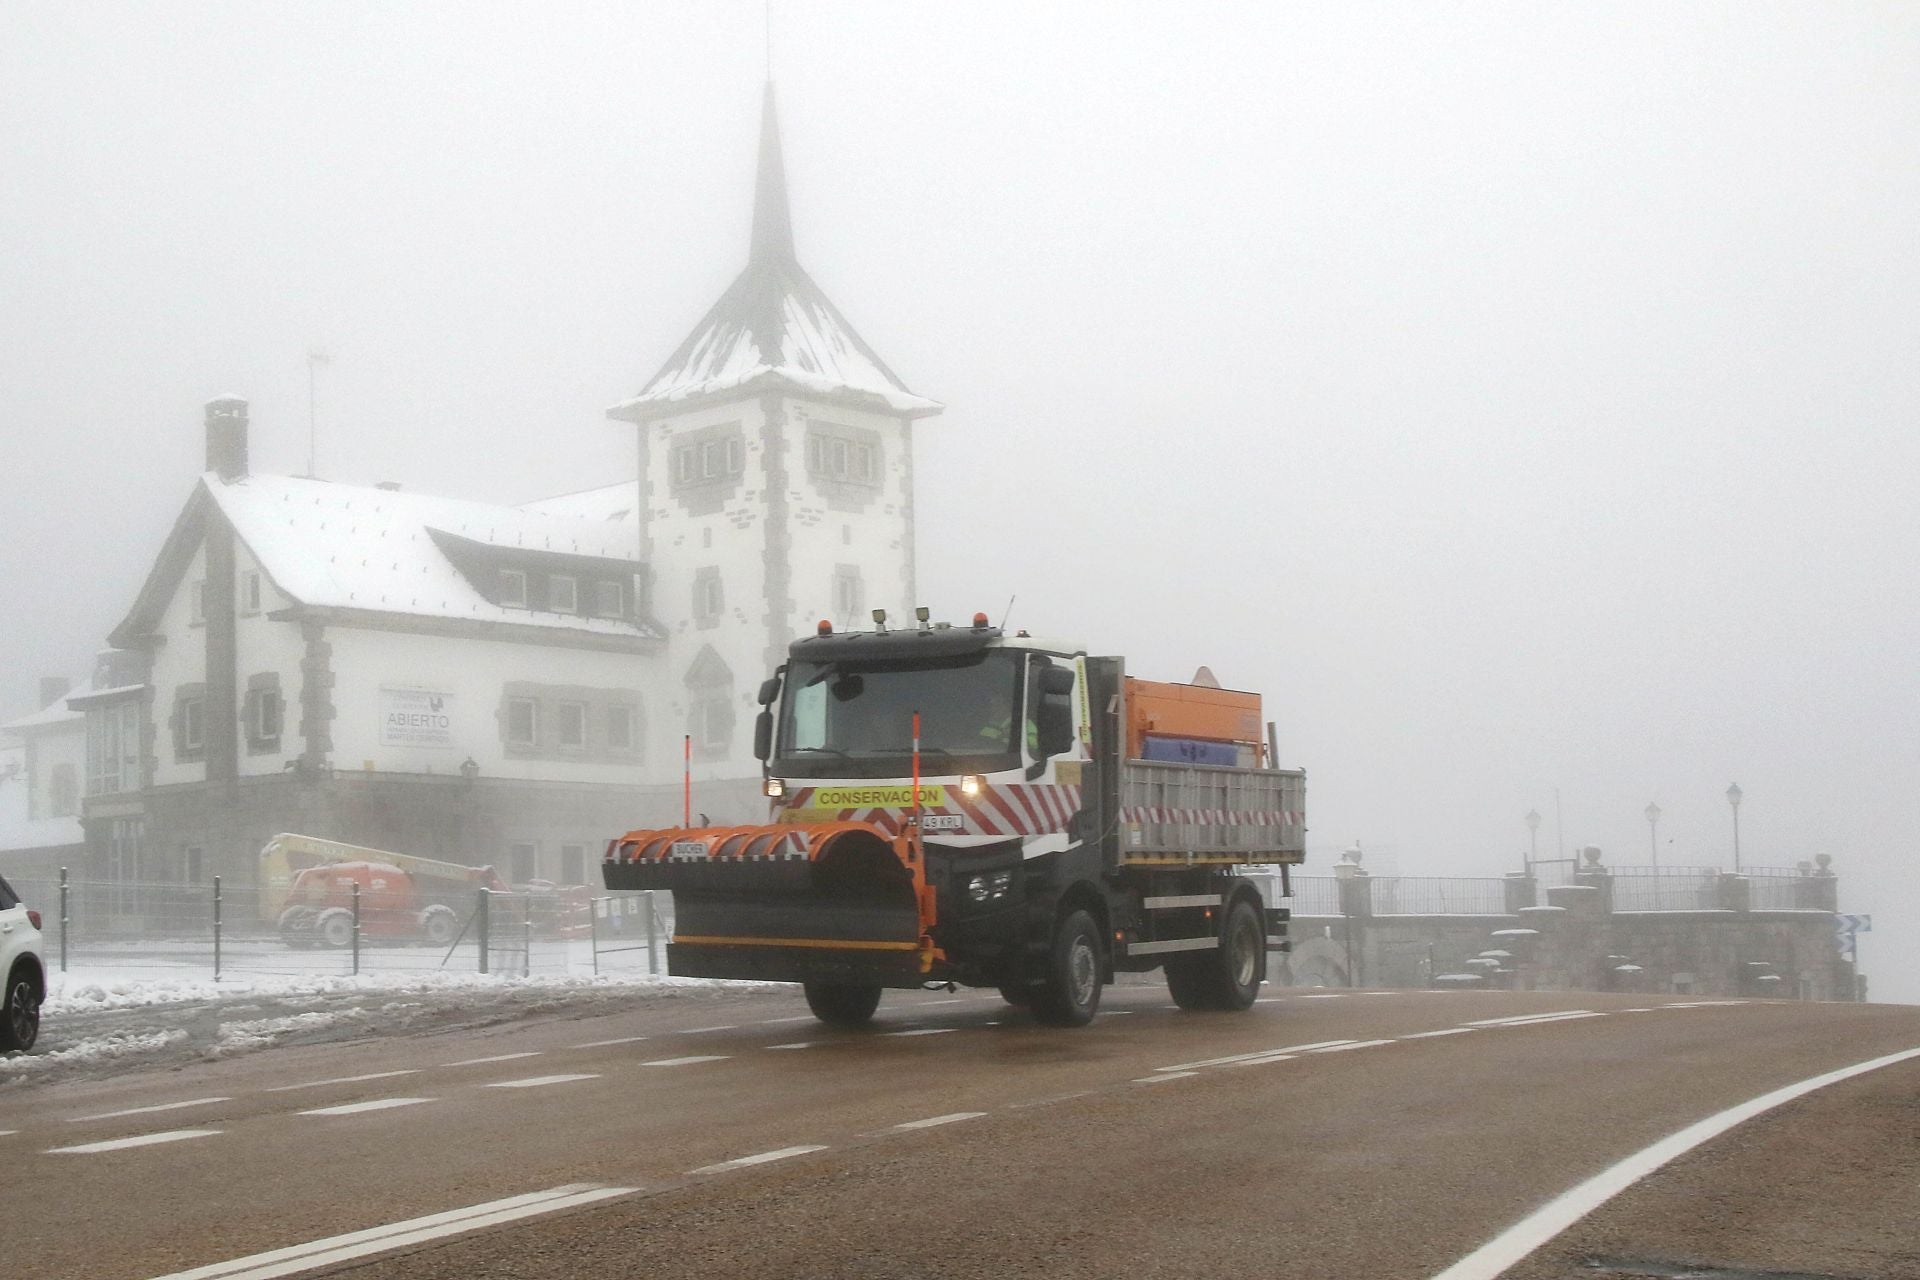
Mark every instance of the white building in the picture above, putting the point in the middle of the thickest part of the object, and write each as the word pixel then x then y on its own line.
pixel 513 685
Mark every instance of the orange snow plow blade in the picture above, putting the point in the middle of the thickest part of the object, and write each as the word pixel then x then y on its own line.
pixel 838 901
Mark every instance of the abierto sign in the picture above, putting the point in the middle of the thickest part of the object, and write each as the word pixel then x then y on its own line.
pixel 411 716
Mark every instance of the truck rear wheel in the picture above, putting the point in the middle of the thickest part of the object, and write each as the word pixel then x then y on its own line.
pixel 1071 994
pixel 842 1004
pixel 1228 978
pixel 437 923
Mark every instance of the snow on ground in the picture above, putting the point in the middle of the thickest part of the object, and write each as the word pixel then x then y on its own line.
pixel 101 1020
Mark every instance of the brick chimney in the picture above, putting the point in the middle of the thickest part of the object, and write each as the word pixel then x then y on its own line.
pixel 227 437
pixel 52 689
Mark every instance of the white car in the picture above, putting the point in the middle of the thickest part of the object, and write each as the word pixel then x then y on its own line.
pixel 25 970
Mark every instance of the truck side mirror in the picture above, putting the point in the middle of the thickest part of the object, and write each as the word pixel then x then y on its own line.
pixel 769 690
pixel 763 735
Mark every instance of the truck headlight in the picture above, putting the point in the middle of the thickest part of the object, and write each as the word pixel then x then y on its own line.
pixel 774 788
pixel 972 784
pixel 994 884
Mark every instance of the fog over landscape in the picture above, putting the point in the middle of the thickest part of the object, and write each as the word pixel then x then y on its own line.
pixel 1521 398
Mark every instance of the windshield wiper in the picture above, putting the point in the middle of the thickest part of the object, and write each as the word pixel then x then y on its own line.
pixel 825 751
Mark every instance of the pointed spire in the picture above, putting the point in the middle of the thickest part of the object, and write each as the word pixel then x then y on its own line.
pixel 772 223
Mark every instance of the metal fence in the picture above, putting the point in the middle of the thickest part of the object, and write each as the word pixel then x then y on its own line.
pixel 1439 896
pixel 1316 896
pixel 1665 888
pixel 159 931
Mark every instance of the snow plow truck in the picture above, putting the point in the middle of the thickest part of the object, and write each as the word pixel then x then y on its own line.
pixel 960 806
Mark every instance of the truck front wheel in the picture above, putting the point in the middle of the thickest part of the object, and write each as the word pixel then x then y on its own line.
pixel 842 1004
pixel 1071 995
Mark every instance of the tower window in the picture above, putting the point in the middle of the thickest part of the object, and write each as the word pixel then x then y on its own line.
pixel 850 455
pixel 709 599
pixel 849 594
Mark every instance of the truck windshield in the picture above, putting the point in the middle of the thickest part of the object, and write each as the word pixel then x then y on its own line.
pixel 855 719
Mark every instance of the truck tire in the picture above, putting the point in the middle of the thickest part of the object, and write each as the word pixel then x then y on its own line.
pixel 334 927
pixel 437 924
pixel 1227 978
pixel 296 927
pixel 1071 994
pixel 843 1004
pixel 20 1014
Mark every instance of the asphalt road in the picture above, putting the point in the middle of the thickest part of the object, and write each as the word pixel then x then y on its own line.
pixel 1322 1134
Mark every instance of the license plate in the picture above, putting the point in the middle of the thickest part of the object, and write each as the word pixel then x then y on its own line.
pixel 941 822
pixel 687 849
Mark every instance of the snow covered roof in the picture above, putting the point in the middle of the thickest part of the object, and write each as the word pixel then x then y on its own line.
pixel 773 326
pixel 372 550
pixel 55 712
pixel 617 502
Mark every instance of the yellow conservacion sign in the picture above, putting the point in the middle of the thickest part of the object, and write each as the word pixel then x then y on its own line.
pixel 887 797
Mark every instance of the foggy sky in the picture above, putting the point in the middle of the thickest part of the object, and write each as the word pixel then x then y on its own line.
pixel 1523 398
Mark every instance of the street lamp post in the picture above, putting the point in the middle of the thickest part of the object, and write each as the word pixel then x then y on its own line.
pixel 1653 833
pixel 1533 838
pixel 1733 799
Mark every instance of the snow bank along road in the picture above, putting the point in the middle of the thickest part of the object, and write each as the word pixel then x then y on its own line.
pixel 1324 1134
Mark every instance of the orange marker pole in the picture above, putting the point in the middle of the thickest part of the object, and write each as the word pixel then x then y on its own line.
pixel 686 783
pixel 916 770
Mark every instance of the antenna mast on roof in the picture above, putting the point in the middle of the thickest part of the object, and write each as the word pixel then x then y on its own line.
pixel 317 358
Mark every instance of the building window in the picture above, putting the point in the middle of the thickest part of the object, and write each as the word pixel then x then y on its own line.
pixel 250 591
pixel 266 715
pixel 849 594
pixel 573 724
pixel 113 749
pixel 711 458
pixel 847 454
pixel 198 608
pixel 863 464
pixel 563 593
pixel 63 792
pixel 573 864
pixel 709 599
pixel 609 599
pixel 193 724
pixel 523 860
pixel 710 712
pixel 513 588
pixel 686 464
pixel 620 728
pixel 193 863
pixel 523 721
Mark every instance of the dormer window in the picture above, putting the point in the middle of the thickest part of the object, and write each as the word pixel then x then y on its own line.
pixel 563 593
pixel 513 588
pixel 609 599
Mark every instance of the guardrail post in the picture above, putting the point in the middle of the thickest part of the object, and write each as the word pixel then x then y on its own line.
pixel 65 920
pixel 482 911
pixel 216 928
pixel 653 959
pixel 356 928
pixel 593 931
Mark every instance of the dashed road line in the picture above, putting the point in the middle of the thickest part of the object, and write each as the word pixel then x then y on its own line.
pixel 1328 995
pixel 1166 1075
pixel 935 1121
pixel 700 1031
pixel 1429 1035
pixel 498 1057
pixel 603 1044
pixel 144 1140
pixel 921 1031
pixel 1351 1045
pixel 770 1022
pixel 1264 1059
pixel 358 1244
pixel 535 1082
pixel 797 1044
pixel 1257 1053
pixel 147 1111
pixel 765 1157
pixel 357 1108
pixel 1524 1018
pixel 686 1062
pixel 321 1084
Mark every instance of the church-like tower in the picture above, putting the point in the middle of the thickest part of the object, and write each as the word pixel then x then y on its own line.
pixel 776 483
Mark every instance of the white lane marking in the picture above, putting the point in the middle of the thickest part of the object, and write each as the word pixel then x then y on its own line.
pixel 144 1140
pixel 535 1082
pixel 1261 1062
pixel 921 1031
pixel 321 1084
pixel 147 1111
pixel 1117 1013
pixel 498 1057
pixel 797 1044
pixel 1332 995
pixel 358 1244
pixel 1528 1017
pixel 700 1031
pixel 686 1062
pixel 355 1108
pixel 1166 1075
pixel 1428 1035
pixel 1357 1044
pixel 955 1118
pixel 602 1044
pixel 8 1133
pixel 1257 1053
pixel 765 1157
pixel 1703 1004
pixel 1271 1000
pixel 1557 1017
pixel 1377 993
pixel 1550 1219
pixel 1636 1011
pixel 798 1017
